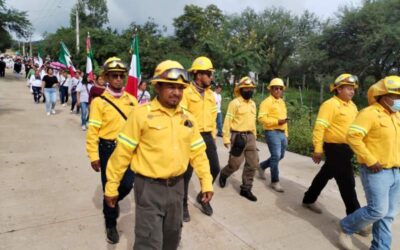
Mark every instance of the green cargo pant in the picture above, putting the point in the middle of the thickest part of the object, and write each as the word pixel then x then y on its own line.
pixel 249 155
pixel 159 214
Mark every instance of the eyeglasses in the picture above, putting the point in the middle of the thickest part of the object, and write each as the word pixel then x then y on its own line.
pixel 174 74
pixel 117 75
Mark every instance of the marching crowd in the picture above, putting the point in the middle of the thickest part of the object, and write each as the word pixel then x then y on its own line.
pixel 158 143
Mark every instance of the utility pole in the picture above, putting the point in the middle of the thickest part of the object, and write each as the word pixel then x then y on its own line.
pixel 30 46
pixel 23 48
pixel 77 27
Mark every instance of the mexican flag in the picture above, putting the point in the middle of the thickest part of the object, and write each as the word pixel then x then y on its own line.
pixel 134 71
pixel 65 58
pixel 39 57
pixel 89 59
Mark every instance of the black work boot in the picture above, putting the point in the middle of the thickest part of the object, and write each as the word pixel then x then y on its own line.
pixel 186 215
pixel 112 235
pixel 248 195
pixel 222 180
pixel 205 207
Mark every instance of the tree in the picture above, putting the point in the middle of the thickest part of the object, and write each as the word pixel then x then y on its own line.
pixel 92 13
pixel 12 20
pixel 197 24
pixel 365 41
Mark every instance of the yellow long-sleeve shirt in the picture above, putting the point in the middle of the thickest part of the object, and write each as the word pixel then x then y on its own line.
pixel 204 108
pixel 105 121
pixel 158 143
pixel 240 116
pixel 271 111
pixel 374 137
pixel 333 121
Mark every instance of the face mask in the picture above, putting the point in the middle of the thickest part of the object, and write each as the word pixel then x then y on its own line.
pixel 246 94
pixel 396 106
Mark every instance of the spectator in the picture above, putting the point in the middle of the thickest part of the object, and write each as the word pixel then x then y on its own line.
pixel 218 100
pixel 143 94
pixel 82 92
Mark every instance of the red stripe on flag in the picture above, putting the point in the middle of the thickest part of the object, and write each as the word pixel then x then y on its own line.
pixel 132 86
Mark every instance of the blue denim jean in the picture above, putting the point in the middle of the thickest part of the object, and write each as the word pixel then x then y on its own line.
pixel 51 98
pixel 219 124
pixel 84 112
pixel 277 144
pixel 382 191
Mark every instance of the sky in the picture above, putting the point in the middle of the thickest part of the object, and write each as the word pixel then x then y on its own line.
pixel 48 15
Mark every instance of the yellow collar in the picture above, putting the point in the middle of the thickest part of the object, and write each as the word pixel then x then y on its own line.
pixel 156 105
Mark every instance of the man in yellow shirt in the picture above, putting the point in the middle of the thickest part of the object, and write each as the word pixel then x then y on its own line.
pixel 374 137
pixel 273 117
pixel 199 99
pixel 158 142
pixel 329 137
pixel 239 130
pixel 105 122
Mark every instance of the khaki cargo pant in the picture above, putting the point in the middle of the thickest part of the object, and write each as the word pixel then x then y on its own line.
pixel 249 155
pixel 159 213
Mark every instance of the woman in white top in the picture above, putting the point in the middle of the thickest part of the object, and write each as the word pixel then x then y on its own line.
pixel 36 84
pixel 63 88
pixel 143 95
pixel 83 90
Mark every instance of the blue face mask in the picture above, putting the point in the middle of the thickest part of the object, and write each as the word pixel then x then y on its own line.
pixel 396 105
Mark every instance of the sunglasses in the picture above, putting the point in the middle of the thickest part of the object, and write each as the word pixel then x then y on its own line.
pixel 277 88
pixel 116 75
pixel 174 74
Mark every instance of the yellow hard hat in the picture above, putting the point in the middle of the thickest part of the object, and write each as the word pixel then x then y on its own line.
pixel 276 82
pixel 245 82
pixel 114 64
pixel 202 63
pixel 344 79
pixel 170 72
pixel 387 85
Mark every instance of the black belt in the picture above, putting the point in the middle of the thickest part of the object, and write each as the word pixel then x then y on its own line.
pixel 170 182
pixel 107 142
pixel 242 132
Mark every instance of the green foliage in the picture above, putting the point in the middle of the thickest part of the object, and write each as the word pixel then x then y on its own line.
pixel 92 13
pixel 12 20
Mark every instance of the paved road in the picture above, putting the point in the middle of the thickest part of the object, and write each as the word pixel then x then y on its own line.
pixel 51 198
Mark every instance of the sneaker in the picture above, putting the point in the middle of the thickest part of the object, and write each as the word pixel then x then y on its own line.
pixel 71 111
pixel 48 113
pixel 313 207
pixel 64 105
pixel 222 180
pixel 366 231
pixel 112 235
pixel 205 207
pixel 186 215
pixel 277 187
pixel 53 111
pixel 261 173
pixel 345 241
pixel 83 128
pixel 248 195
